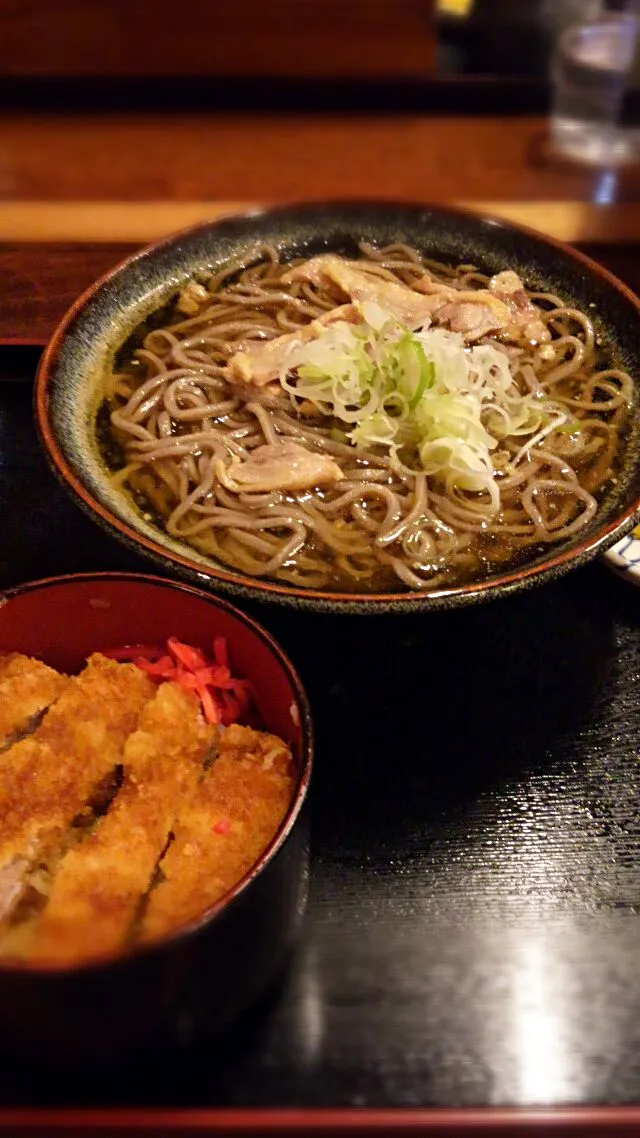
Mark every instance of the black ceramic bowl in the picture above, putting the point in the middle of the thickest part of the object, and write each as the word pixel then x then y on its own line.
pixel 68 388
pixel 203 975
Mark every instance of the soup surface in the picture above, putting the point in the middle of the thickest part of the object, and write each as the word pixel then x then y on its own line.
pixel 366 424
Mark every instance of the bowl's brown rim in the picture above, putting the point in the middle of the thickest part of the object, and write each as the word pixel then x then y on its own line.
pixel 209 914
pixel 603 536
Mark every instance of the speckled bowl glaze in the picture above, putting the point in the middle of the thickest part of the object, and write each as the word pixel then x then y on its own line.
pixel 69 381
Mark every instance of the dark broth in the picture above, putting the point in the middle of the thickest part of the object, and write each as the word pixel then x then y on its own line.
pixel 486 555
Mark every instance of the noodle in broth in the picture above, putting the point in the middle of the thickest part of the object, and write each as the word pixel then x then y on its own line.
pixel 176 413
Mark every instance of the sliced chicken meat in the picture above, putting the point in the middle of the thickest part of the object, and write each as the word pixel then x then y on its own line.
pixel 525 316
pixel 278 466
pixel 262 361
pixel 502 308
pixel 473 321
pixel 400 301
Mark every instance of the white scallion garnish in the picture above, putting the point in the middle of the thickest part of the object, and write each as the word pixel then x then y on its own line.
pixel 432 403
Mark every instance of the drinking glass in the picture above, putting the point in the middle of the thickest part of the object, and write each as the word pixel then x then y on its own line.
pixel 590 68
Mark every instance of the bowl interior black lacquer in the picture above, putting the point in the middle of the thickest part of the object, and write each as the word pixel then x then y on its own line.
pixel 68 390
pixel 141 996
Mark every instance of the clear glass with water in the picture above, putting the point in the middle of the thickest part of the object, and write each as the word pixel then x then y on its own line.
pixel 590 69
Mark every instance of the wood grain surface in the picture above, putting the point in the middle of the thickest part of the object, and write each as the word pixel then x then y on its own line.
pixel 123 38
pixel 139 222
pixel 192 156
pixel 79 191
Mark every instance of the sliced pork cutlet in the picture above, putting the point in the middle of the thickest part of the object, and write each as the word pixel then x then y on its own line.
pixel 98 887
pixel 27 688
pixel 49 778
pixel 222 829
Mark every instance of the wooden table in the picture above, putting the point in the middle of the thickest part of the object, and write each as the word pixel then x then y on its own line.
pixel 80 190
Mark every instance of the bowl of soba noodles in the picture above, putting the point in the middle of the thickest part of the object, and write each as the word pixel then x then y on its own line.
pixel 354 407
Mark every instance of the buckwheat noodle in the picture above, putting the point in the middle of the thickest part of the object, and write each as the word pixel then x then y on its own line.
pixel 173 412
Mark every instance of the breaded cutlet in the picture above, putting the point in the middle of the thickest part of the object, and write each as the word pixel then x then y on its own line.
pixel 98 886
pixel 27 688
pixel 223 828
pixel 47 779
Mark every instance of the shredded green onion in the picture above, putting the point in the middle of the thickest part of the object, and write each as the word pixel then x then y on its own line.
pixel 425 398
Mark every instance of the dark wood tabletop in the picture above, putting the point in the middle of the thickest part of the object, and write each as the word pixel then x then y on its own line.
pixel 403 995
pixel 79 190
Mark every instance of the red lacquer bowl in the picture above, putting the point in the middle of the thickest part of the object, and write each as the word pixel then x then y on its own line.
pixel 99 1010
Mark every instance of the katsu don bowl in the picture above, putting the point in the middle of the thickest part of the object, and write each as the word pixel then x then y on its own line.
pixel 352 407
pixel 155 754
